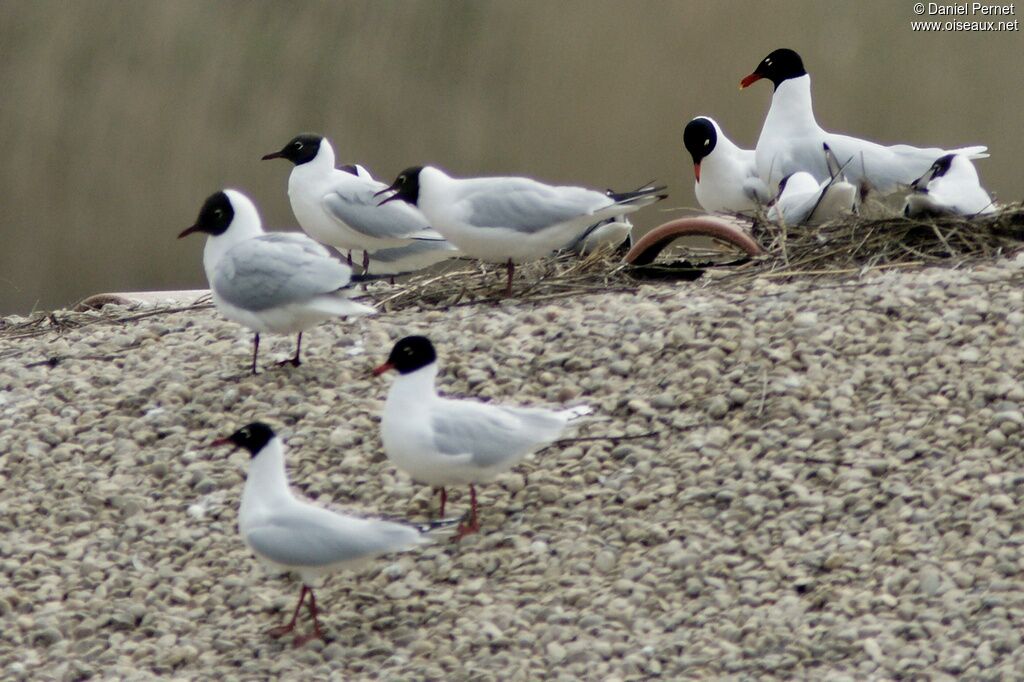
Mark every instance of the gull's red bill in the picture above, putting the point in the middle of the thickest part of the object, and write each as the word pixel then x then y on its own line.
pixel 387 366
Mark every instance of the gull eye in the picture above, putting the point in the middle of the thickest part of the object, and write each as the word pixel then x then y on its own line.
pixel 297 145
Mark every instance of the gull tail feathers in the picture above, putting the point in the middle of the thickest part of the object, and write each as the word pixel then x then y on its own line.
pixel 979 151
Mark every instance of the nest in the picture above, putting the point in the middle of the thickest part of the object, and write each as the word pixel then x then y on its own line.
pixel 466 282
pixel 858 244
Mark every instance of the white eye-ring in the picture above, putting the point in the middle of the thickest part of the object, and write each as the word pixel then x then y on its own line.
pixel 707 142
pixel 767 62
pixel 298 145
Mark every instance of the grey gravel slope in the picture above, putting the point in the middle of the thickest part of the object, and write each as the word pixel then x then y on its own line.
pixel 834 489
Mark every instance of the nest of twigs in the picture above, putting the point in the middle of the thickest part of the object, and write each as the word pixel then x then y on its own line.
pixel 467 282
pixel 860 244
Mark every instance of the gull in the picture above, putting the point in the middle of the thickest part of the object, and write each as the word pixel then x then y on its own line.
pixel 950 186
pixel 414 256
pixel 336 206
pixel 269 282
pixel 294 535
pixel 726 176
pixel 791 139
pixel 445 442
pixel 509 219
pixel 803 200
pixel 609 234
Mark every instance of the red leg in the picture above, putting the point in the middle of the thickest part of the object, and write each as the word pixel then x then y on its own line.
pixel 255 351
pixel 473 525
pixel 285 629
pixel 444 499
pixel 300 640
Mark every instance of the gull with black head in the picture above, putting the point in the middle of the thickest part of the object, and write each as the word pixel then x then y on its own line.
pixel 950 187
pixel 726 175
pixel 510 219
pixel 338 206
pixel 791 139
pixel 269 282
pixel 444 441
pixel 293 535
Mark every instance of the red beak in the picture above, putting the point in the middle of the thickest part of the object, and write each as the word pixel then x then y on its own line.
pixel 750 80
pixel 220 441
pixel 696 171
pixel 387 366
pixel 188 230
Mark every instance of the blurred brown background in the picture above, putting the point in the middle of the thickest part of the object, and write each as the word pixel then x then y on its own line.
pixel 119 118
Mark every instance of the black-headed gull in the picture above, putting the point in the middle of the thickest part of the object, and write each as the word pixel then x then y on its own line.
pixel 414 256
pixel 337 206
pixel 445 442
pixel 608 235
pixel 803 200
pixel 950 186
pixel 293 535
pixel 726 175
pixel 508 219
pixel 791 139
pixel 269 282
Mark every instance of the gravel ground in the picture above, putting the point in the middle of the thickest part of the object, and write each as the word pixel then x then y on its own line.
pixel 833 491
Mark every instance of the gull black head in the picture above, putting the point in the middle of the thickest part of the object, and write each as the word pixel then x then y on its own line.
pixel 936 170
pixel 253 438
pixel 408 355
pixel 941 165
pixel 301 149
pixel 214 217
pixel 405 187
pixel 699 138
pixel 780 65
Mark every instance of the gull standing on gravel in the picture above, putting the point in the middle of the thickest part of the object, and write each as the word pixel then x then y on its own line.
pixel 338 206
pixel 444 442
pixel 791 139
pixel 278 282
pixel 950 186
pixel 293 535
pixel 509 220
pixel 726 176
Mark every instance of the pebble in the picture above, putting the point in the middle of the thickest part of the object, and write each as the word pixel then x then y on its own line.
pixel 832 491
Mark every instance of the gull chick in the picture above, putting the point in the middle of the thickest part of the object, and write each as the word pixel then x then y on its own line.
pixel 293 535
pixel 444 442
pixel 269 282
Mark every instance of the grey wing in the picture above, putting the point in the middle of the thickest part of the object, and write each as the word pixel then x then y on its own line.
pixel 492 434
pixel 320 539
pixel 277 269
pixel 527 206
pixel 357 208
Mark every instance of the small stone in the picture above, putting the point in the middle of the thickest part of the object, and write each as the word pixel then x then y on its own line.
pixel 718 407
pixel 556 653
